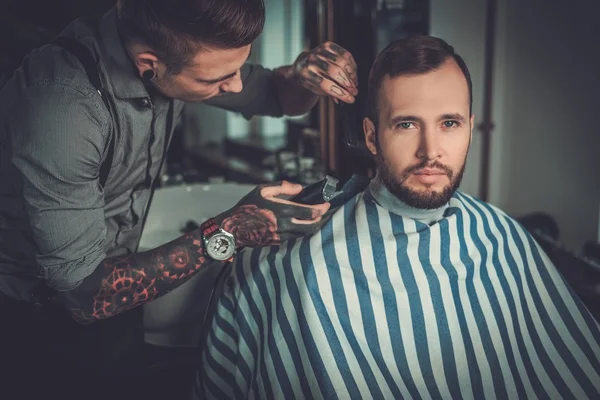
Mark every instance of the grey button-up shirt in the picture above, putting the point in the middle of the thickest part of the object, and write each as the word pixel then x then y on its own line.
pixel 56 221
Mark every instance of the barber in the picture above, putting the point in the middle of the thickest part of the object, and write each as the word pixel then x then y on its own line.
pixel 62 227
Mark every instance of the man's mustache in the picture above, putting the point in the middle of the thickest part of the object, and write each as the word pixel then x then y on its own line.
pixel 425 164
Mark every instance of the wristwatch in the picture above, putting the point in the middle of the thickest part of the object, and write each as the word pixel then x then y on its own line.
pixel 219 244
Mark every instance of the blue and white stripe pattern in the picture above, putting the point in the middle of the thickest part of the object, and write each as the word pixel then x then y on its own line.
pixel 378 306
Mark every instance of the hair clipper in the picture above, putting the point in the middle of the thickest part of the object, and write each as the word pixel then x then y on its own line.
pixel 318 192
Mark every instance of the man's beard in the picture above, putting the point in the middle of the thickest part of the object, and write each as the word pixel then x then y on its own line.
pixel 428 200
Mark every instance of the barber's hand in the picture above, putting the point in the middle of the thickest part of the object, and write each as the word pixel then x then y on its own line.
pixel 261 218
pixel 328 70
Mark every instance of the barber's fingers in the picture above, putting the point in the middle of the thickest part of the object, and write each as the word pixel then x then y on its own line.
pixel 346 62
pixel 297 230
pixel 307 223
pixel 333 89
pixel 299 211
pixel 336 84
pixel 280 189
pixel 317 211
pixel 336 56
pixel 334 72
pixel 292 229
pixel 288 209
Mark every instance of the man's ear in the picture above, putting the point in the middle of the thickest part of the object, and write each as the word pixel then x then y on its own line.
pixel 144 58
pixel 472 126
pixel 146 61
pixel 370 135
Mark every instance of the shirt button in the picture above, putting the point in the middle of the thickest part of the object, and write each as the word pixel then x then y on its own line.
pixel 145 102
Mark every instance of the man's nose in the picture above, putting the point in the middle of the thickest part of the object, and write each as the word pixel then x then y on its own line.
pixel 429 146
pixel 233 85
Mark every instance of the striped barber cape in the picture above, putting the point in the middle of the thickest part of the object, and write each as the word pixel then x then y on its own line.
pixel 379 306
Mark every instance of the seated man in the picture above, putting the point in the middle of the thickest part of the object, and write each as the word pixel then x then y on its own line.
pixel 411 289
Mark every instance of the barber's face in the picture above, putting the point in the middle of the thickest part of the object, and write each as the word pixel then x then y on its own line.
pixel 424 132
pixel 213 72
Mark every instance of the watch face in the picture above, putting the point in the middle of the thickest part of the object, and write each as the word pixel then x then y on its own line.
pixel 220 247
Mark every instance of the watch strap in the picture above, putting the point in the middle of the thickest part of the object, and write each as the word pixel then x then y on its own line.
pixel 209 227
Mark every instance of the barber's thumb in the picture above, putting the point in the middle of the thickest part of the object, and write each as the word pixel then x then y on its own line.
pixel 320 209
pixel 291 188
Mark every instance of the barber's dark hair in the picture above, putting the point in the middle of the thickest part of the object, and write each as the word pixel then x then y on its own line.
pixel 411 56
pixel 177 29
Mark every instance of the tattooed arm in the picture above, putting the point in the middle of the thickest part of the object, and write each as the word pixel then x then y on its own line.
pixel 118 284
pixel 327 70
pixel 121 283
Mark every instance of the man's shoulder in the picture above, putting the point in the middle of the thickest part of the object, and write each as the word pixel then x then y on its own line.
pixel 52 66
pixel 52 75
pixel 470 201
pixel 492 216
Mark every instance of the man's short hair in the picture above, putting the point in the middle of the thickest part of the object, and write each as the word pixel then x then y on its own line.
pixel 177 29
pixel 411 56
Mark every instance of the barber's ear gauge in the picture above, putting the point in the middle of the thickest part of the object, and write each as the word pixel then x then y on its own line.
pixel 148 74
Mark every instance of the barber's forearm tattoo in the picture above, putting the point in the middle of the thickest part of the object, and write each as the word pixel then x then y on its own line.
pixel 129 281
pixel 122 283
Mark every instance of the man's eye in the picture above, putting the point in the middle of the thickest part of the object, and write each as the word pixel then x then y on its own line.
pixel 404 125
pixel 450 124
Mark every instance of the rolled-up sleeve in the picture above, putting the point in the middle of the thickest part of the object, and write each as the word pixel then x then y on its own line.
pixel 58 137
pixel 258 96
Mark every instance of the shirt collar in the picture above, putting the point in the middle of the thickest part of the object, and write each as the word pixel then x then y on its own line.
pixel 382 196
pixel 119 67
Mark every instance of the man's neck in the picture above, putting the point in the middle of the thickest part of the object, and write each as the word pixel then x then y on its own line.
pixel 387 200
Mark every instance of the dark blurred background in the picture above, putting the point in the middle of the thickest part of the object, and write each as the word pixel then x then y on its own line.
pixel 535 66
